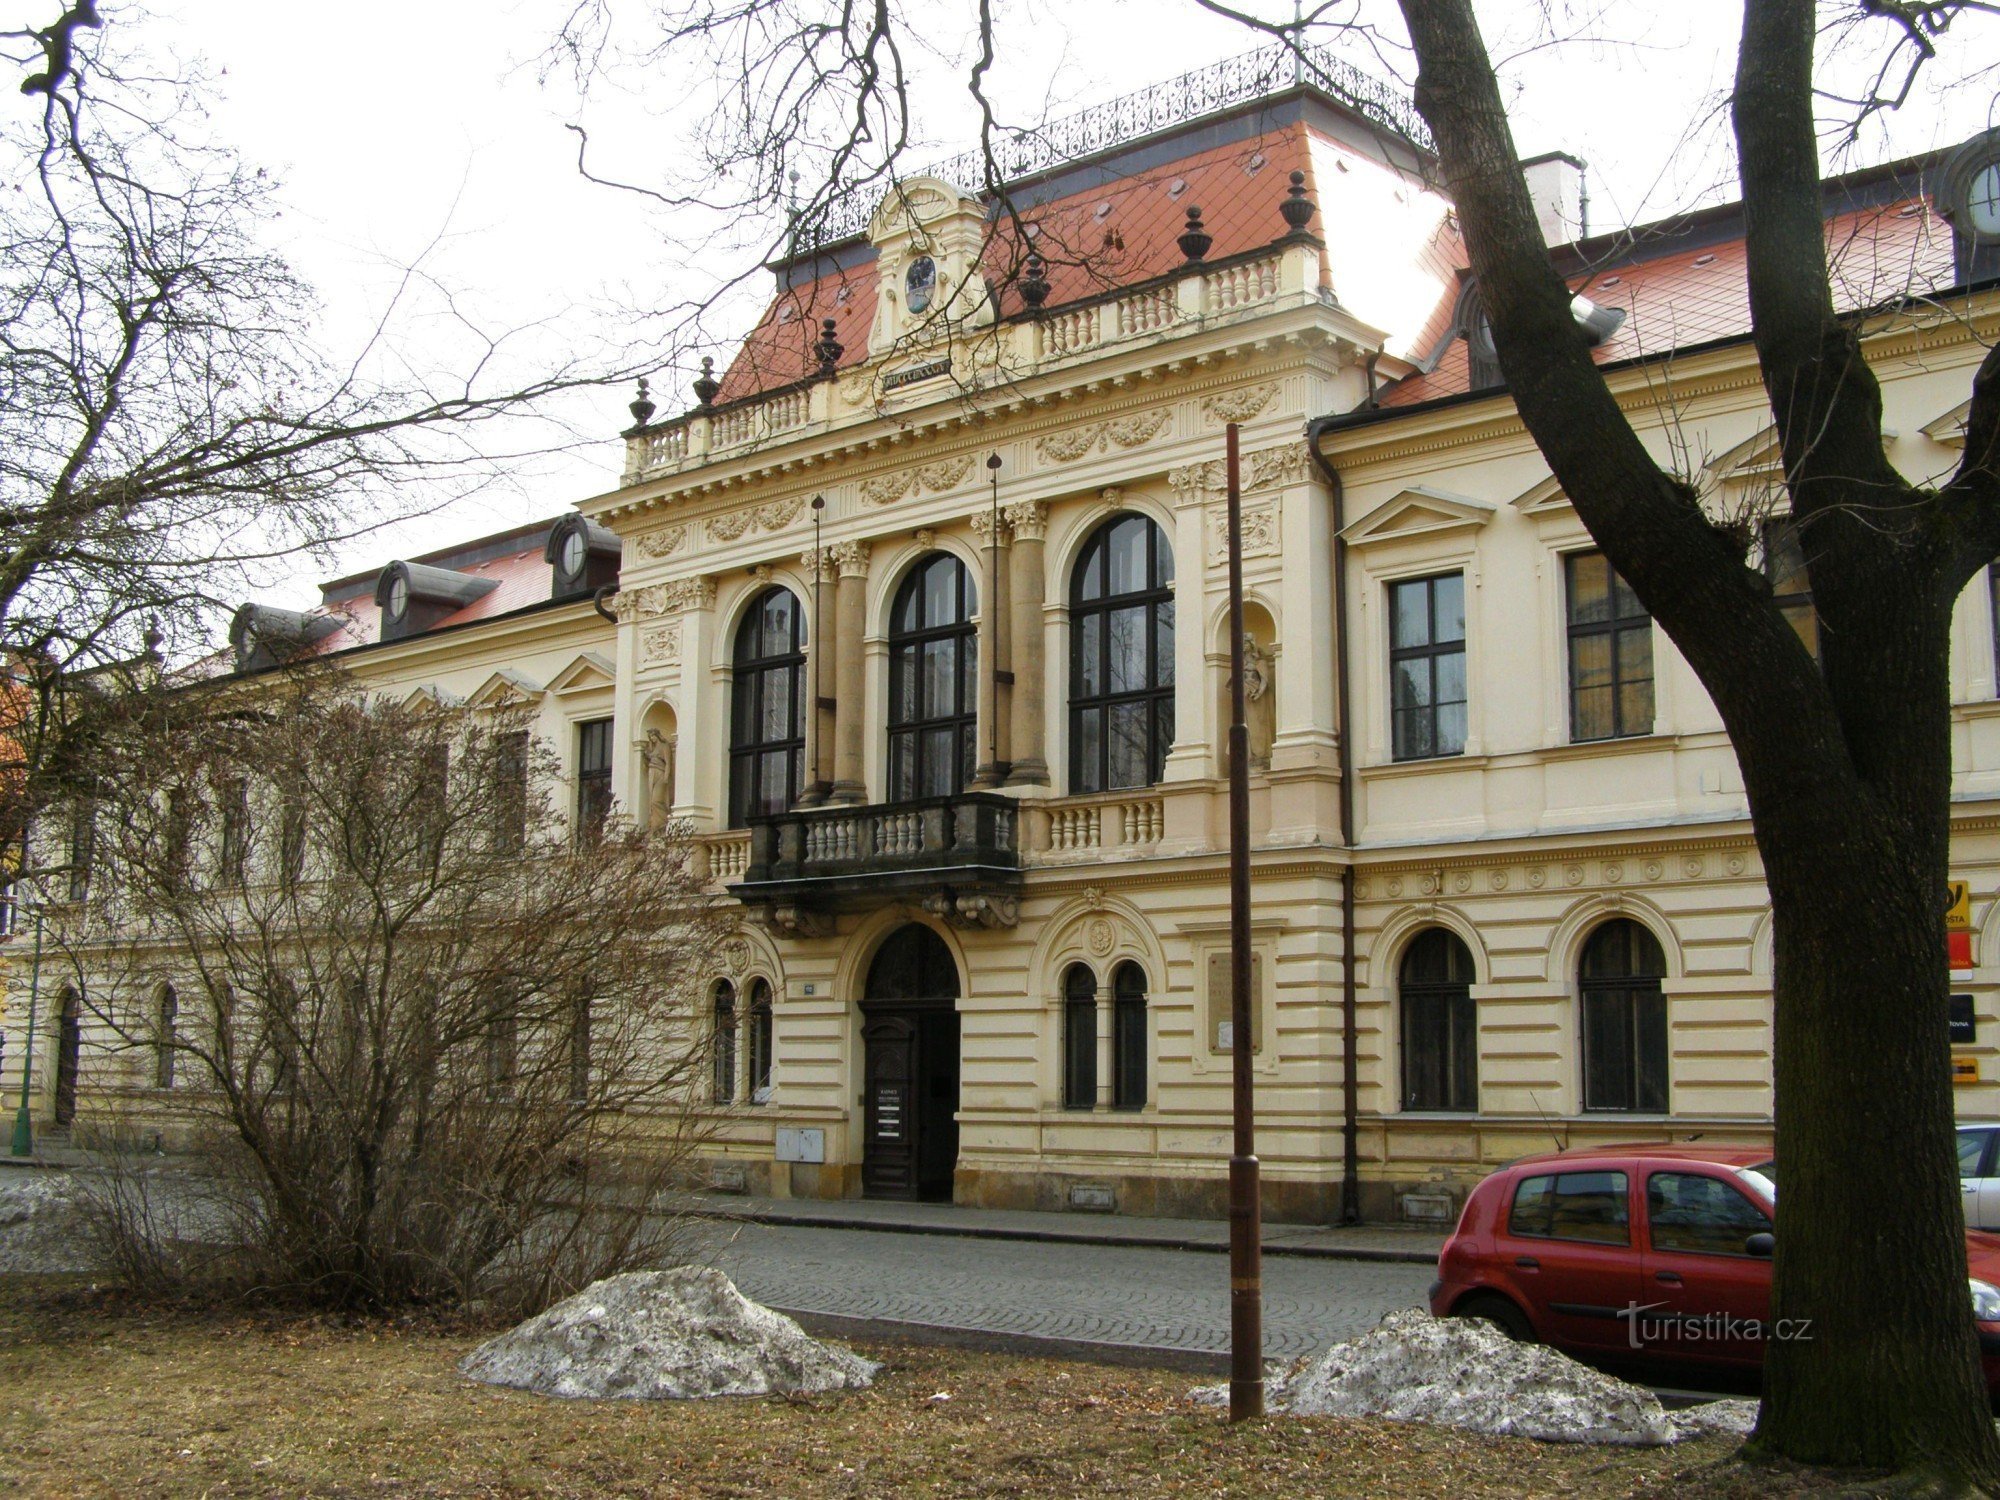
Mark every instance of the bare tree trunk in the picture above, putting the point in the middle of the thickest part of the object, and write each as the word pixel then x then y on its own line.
pixel 1847 764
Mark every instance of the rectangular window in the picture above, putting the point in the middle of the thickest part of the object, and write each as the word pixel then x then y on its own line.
pixel 593 779
pixel 1080 1049
pixel 1610 652
pixel 1593 1207
pixel 510 791
pixel 1440 1049
pixel 1128 1052
pixel 1427 666
pixel 1625 1047
pixel 1791 589
pixel 234 854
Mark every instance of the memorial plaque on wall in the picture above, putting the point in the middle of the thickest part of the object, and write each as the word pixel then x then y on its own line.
pixel 1220 1031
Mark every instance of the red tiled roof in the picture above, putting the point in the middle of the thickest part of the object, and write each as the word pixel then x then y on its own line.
pixel 1687 297
pixel 1110 236
pixel 524 579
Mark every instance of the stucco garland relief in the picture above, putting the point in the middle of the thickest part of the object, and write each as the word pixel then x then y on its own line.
pixel 662 543
pixel 1071 443
pixel 774 515
pixel 1238 406
pixel 946 474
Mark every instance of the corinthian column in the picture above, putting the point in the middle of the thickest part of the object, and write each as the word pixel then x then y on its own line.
pixel 820 664
pixel 1030 522
pixel 994 654
pixel 850 725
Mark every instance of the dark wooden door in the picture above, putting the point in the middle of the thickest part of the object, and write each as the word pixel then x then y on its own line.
pixel 937 1102
pixel 69 1046
pixel 889 1150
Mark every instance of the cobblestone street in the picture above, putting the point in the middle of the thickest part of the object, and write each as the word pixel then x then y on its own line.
pixel 1110 1294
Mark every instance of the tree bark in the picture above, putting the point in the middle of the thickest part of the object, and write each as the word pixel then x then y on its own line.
pixel 1846 764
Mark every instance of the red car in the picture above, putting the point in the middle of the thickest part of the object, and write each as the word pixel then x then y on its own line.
pixel 1654 1253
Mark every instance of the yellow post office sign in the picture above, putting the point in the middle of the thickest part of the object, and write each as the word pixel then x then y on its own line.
pixel 1958 909
pixel 1965 1070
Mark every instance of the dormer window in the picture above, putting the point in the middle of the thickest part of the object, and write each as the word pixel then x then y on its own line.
pixel 584 558
pixel 415 596
pixel 920 283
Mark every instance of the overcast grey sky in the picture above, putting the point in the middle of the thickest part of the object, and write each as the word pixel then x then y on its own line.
pixel 404 130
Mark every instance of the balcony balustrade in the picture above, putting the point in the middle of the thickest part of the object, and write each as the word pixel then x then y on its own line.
pixel 957 857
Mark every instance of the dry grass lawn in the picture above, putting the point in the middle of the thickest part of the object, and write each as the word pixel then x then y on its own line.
pixel 102 1397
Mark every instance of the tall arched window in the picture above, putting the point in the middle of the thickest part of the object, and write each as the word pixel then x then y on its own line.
pixel 760 1041
pixel 1624 1019
pixel 1128 1037
pixel 724 1039
pixel 1440 1031
pixel 166 1042
pixel 767 733
pixel 1079 1056
pixel 1121 693
pixel 933 681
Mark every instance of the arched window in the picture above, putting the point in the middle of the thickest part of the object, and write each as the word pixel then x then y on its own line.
pixel 165 1041
pixel 1121 694
pixel 1128 1037
pixel 1624 1019
pixel 933 681
pixel 1079 1038
pixel 725 1042
pixel 1440 1029
pixel 760 1041
pixel 69 1049
pixel 767 732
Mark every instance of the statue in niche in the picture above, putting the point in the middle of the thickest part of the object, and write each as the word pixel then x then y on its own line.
pixel 657 754
pixel 1260 701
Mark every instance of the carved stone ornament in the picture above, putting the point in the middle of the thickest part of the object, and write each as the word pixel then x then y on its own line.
pixel 1240 405
pixel 727 528
pixel 662 543
pixel 780 513
pixel 1100 937
pixel 1192 484
pixel 635 604
pixel 1029 520
pixel 1125 432
pixel 851 558
pixel 1093 897
pixel 1260 532
pixel 974 910
pixel 926 538
pixel 885 488
pixel 1277 466
pixel 939 477
pixel 662 643
pixel 689 593
pixel 798 922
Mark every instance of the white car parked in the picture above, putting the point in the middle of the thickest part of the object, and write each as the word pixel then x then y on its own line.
pixel 1979 1175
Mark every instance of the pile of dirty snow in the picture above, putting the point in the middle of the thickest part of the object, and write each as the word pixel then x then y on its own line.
pixel 664 1335
pixel 40 1227
pixel 1460 1372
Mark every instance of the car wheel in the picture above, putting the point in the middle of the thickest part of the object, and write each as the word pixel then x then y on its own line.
pixel 1501 1313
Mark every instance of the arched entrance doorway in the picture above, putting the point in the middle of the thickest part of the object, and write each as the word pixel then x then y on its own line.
pixel 909 1043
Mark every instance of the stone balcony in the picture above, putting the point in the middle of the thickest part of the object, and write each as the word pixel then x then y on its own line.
pixel 957 857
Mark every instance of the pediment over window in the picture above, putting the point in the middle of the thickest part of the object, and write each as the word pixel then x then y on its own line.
pixel 1418 511
pixel 588 673
pixel 1948 428
pixel 504 689
pixel 430 699
pixel 1545 498
pixel 1757 460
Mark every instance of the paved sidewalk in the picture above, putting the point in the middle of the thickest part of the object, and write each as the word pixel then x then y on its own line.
pixel 1366 1242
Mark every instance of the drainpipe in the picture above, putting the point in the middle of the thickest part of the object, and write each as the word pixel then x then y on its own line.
pixel 1350 1115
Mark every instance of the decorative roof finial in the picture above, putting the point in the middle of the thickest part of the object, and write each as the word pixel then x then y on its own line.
pixel 1297 208
pixel 1195 240
pixel 828 349
pixel 642 410
pixel 706 386
pixel 1034 283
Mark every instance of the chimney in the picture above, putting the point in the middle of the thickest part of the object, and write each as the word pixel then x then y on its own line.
pixel 1562 201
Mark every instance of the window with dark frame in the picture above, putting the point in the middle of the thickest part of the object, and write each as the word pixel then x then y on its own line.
pixel 292 841
pixel 82 846
pixel 1427 666
pixel 502 1042
pixel 767 737
pixel 1079 1052
pixel 1610 652
pixel 1791 586
pixel 1624 1019
pixel 1128 1037
pixel 723 1022
pixel 579 1048
pixel 933 681
pixel 760 1042
pixel 510 791
pixel 1121 657
pixel 1440 1031
pixel 593 779
pixel 166 1041
pixel 234 853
